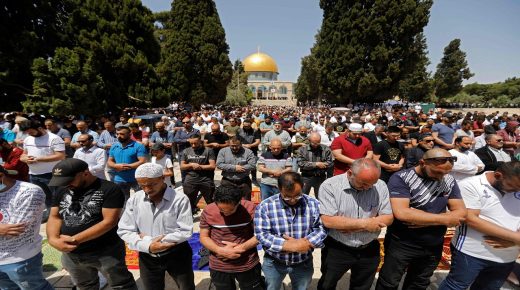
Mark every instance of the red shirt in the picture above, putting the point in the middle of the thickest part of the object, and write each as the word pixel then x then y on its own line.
pixel 12 162
pixel 349 149
pixel 236 228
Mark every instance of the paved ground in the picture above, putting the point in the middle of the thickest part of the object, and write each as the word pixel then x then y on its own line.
pixel 60 279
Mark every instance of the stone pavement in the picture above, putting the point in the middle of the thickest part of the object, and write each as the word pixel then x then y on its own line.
pixel 61 280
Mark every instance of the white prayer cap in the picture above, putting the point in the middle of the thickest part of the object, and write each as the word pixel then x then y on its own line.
pixel 149 170
pixel 355 128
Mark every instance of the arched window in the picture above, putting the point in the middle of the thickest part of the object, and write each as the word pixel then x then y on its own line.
pixel 260 93
pixel 283 90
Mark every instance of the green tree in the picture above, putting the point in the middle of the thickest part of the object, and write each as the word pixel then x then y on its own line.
pixel 307 86
pixel 28 29
pixel 195 64
pixel 366 48
pixel 109 59
pixel 452 69
pixel 417 85
pixel 238 93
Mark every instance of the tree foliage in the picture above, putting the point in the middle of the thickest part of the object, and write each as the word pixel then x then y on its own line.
pixel 452 69
pixel 195 65
pixel 417 85
pixel 238 93
pixel 307 87
pixel 28 29
pixel 108 58
pixel 366 48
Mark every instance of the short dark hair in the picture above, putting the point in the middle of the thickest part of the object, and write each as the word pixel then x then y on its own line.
pixel 509 169
pixel 288 179
pixel 228 194
pixel 195 136
pixel 393 129
pixel 125 127
pixel 460 138
pixel 234 139
pixel 31 124
pixel 131 125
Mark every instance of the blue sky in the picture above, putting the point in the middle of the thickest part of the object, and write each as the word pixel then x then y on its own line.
pixel 285 29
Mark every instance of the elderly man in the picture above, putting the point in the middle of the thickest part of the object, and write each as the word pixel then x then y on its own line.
pixel 227 231
pixel 272 164
pixel 314 160
pixel 82 129
pixel 236 163
pixel 161 135
pixel 289 228
pixel 350 147
pixel 83 224
pixel 485 248
pixel 493 152
pixel 419 198
pixel 301 138
pixel 467 163
pixel 157 222
pixel 108 137
pixel 94 156
pixel 355 207
pixel 21 212
pixel 278 133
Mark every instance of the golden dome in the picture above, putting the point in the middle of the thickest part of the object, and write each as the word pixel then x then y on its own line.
pixel 260 62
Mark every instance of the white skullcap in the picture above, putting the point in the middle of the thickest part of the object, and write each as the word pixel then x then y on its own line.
pixel 149 170
pixel 355 127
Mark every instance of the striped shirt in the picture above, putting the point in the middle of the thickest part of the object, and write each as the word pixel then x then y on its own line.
pixel 271 161
pixel 275 218
pixel 236 228
pixel 338 198
pixel 106 138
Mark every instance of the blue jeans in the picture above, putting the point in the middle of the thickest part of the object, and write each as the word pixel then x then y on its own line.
pixel 479 273
pixel 267 191
pixel 275 272
pixel 24 275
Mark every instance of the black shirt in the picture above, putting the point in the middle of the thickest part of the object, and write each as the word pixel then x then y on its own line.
pixel 82 208
pixel 200 156
pixel 220 138
pixel 390 153
pixel 249 137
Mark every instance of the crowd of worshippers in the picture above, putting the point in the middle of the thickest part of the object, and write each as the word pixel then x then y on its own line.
pixel 415 174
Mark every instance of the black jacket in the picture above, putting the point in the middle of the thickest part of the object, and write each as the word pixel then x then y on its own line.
pixel 488 158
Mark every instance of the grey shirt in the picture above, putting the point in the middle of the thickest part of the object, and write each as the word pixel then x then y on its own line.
pixel 338 198
pixel 282 135
pixel 171 218
pixel 227 161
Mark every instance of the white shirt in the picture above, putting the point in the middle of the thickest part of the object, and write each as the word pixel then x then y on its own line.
pixel 503 211
pixel 165 162
pixel 22 203
pixel 96 159
pixel 480 141
pixel 202 128
pixel 318 128
pixel 171 218
pixel 466 164
pixel 327 139
pixel 369 127
pixel 44 145
pixel 500 155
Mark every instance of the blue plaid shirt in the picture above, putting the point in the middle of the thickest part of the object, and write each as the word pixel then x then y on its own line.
pixel 274 218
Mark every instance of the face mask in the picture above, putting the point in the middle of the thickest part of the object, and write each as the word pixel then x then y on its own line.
pixel 2 185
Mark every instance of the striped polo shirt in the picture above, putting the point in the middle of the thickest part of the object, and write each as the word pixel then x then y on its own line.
pixel 271 161
pixel 236 228
pixel 338 198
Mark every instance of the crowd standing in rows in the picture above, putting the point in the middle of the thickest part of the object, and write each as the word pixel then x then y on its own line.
pixel 98 184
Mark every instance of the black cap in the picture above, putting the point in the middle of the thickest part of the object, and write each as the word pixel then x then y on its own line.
pixel 65 171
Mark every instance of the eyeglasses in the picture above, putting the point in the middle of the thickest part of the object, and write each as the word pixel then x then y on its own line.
pixel 442 160
pixel 186 122
pixel 296 198
pixel 428 141
pixel 500 140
